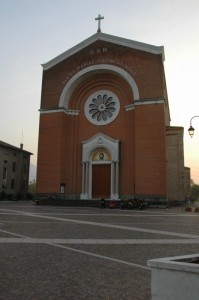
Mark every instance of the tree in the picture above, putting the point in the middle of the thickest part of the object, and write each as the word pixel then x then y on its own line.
pixel 32 187
pixel 195 192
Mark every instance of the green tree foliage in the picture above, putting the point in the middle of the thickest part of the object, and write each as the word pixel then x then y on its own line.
pixel 195 191
pixel 32 187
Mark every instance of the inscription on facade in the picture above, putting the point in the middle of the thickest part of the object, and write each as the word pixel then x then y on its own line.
pixel 98 51
pixel 98 60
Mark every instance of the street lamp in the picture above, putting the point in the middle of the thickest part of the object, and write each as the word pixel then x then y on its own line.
pixel 191 129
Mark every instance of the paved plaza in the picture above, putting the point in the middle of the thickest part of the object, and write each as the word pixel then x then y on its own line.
pixel 49 252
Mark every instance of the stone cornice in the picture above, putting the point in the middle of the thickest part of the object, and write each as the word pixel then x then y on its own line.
pixel 129 107
pixel 107 38
pixel 149 101
pixel 144 102
pixel 58 110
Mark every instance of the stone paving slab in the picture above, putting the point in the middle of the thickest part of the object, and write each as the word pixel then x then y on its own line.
pixel 67 230
pixel 139 253
pixel 46 272
pixel 87 253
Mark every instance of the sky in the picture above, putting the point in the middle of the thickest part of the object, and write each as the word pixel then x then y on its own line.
pixel 32 32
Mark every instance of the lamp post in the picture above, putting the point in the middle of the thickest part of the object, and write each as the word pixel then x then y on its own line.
pixel 191 129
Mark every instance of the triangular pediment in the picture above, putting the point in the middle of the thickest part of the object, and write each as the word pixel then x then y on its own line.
pixel 99 138
pixel 106 38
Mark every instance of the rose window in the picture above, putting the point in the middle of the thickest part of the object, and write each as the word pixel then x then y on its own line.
pixel 102 107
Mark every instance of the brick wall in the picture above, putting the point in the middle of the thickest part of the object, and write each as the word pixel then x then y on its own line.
pixel 141 131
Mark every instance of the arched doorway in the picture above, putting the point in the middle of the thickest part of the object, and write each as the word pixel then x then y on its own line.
pixel 100 168
pixel 101 173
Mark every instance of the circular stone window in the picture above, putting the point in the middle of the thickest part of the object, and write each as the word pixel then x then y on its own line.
pixel 102 107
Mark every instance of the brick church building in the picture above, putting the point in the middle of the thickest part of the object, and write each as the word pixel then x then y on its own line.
pixel 105 124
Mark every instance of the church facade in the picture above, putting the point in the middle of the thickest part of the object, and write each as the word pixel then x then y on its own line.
pixel 105 123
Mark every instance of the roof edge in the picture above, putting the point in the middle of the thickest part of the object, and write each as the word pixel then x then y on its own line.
pixel 108 38
pixel 6 145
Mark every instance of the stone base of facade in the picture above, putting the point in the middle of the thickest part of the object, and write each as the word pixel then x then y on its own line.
pixel 79 200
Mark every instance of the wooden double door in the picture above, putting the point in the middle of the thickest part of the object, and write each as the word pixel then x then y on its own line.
pixel 101 180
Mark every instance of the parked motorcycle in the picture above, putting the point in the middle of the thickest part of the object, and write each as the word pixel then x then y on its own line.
pixel 102 203
pixel 133 204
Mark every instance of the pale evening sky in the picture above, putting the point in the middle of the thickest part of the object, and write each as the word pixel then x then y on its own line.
pixel 35 31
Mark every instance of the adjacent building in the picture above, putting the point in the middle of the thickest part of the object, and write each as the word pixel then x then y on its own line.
pixel 14 170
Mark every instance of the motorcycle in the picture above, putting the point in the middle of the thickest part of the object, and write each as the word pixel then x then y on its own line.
pixel 102 203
